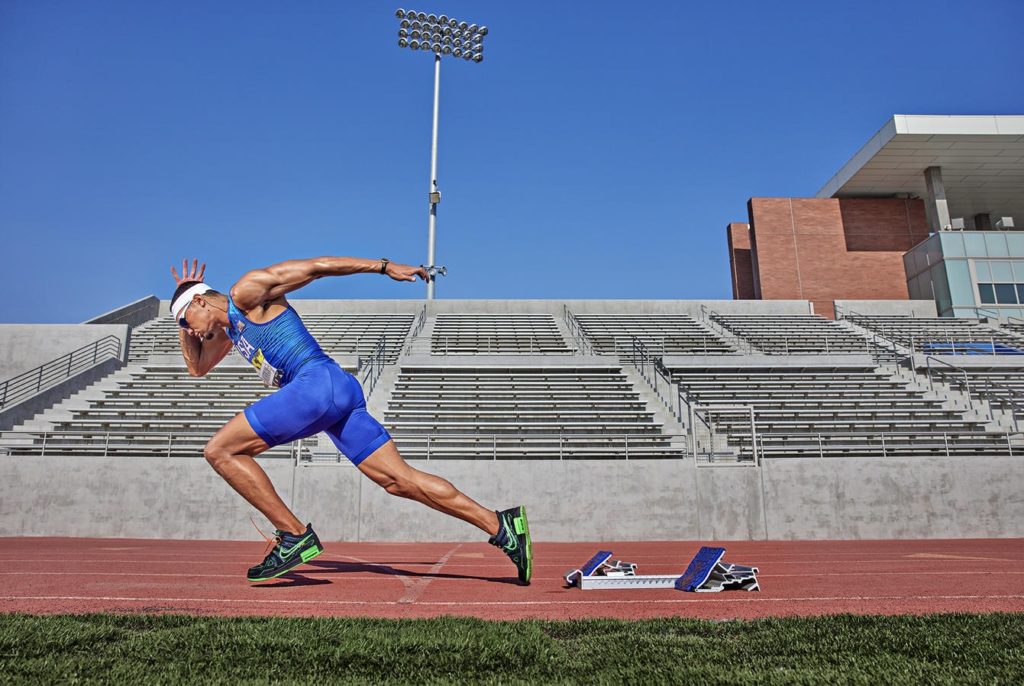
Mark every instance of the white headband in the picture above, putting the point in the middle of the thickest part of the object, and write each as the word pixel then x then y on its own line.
pixel 182 302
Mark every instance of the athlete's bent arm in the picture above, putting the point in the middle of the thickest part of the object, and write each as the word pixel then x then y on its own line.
pixel 263 285
pixel 202 356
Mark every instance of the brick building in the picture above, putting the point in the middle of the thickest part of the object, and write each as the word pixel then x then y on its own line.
pixel 849 242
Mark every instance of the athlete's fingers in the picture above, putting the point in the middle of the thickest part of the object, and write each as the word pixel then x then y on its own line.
pixel 174 273
pixel 195 263
pixel 202 271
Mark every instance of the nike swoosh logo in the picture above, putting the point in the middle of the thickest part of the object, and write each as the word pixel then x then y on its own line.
pixel 510 533
pixel 286 553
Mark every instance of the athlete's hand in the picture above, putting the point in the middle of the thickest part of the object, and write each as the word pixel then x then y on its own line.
pixel 186 274
pixel 405 272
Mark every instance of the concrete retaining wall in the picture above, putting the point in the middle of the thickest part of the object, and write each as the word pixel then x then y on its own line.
pixel 852 498
pixel 26 346
pixel 30 407
pixel 132 314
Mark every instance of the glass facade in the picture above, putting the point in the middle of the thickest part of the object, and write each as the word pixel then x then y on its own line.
pixel 969 273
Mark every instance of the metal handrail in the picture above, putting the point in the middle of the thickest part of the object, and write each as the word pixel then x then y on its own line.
pixel 417 328
pixel 164 443
pixel 928 365
pixel 822 439
pixel 641 359
pixel 160 443
pixel 49 374
pixel 989 312
pixel 421 321
pixel 374 366
pixel 582 341
pixel 724 409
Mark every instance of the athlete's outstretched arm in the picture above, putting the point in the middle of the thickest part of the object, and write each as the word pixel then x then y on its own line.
pixel 262 285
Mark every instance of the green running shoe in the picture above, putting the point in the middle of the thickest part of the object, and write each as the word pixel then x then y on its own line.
pixel 289 552
pixel 513 538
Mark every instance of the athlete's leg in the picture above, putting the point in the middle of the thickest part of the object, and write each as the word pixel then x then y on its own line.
pixel 231 452
pixel 386 467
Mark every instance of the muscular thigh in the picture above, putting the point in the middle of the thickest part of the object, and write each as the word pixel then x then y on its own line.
pixel 237 437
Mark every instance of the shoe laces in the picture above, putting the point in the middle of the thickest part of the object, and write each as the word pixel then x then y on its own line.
pixel 272 541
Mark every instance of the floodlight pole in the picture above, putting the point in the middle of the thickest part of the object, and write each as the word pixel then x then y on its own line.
pixel 435 194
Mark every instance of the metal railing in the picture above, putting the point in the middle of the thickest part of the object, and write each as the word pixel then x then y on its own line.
pixel 782 445
pixel 89 443
pixel 984 388
pixel 374 366
pixel 561 446
pixel 421 321
pixel 417 328
pixel 710 454
pixel 960 370
pixel 48 375
pixel 581 341
pixel 653 372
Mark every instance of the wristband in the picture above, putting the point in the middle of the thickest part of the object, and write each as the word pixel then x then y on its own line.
pixel 384 262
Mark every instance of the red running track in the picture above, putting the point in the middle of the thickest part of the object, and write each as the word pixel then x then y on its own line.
pixel 74 575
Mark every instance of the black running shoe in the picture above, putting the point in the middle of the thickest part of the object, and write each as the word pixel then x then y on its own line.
pixel 289 552
pixel 513 538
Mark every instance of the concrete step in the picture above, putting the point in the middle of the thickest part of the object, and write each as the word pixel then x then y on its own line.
pixel 655 404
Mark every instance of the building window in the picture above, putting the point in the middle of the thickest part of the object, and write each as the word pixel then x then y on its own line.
pixel 1001 293
pixel 1006 294
pixel 987 293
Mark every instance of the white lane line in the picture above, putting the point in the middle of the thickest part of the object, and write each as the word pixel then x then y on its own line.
pixel 520 603
pixel 414 590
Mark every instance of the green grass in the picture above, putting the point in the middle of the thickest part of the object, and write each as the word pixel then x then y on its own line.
pixel 147 649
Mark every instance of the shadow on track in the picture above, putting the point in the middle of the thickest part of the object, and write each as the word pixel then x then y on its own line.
pixel 338 567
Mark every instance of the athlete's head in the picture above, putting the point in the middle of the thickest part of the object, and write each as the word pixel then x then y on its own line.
pixel 191 307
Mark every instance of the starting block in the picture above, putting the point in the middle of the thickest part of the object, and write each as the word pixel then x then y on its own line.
pixel 706 573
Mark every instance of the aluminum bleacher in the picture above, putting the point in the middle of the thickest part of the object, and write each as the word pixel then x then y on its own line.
pixel 338 334
pixel 489 381
pixel 796 334
pixel 499 334
pixel 663 334
pixel 143 409
pixel 827 410
pixel 941 335
pixel 522 412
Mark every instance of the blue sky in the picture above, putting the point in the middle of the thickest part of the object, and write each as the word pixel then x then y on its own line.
pixel 597 152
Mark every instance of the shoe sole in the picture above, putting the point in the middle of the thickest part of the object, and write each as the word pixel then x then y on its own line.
pixel 529 545
pixel 300 560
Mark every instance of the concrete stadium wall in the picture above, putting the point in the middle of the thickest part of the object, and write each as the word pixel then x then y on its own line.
pixel 14 415
pixel 132 314
pixel 851 498
pixel 910 308
pixel 26 346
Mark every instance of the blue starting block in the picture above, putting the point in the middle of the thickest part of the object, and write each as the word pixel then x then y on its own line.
pixel 706 573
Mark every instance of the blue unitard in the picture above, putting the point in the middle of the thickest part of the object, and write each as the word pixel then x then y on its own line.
pixel 315 393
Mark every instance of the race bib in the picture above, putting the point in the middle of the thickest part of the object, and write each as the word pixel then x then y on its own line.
pixel 269 375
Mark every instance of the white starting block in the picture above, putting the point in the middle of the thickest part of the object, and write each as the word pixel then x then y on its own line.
pixel 705 574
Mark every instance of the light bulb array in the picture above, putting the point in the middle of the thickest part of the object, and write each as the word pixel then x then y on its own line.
pixel 440 35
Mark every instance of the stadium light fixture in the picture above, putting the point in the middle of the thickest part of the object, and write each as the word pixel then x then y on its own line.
pixel 442 36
